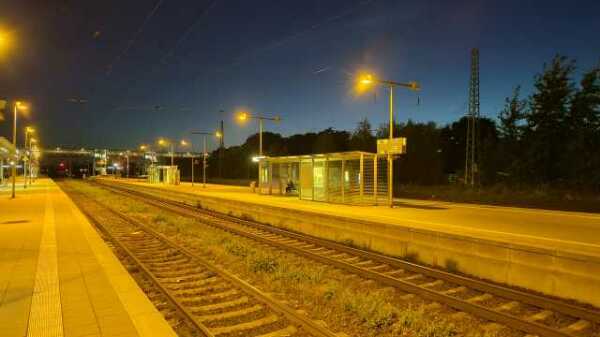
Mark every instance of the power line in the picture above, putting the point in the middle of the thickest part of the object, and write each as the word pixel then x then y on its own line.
pixel 134 37
pixel 188 31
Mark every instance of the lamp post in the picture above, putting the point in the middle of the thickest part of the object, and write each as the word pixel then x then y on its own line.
pixel 32 142
pixel 143 149
pixel 126 155
pixel 368 80
pixel 245 116
pixel 26 153
pixel 165 142
pixel 17 106
pixel 183 142
pixel 217 134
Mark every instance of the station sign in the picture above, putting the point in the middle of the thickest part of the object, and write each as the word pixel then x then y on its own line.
pixel 391 146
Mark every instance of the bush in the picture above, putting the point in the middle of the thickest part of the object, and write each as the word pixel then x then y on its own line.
pixel 236 249
pixel 159 219
pixel 373 309
pixel 414 321
pixel 263 263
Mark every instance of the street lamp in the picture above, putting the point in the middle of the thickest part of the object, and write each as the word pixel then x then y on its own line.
pixel 17 106
pixel 5 41
pixel 26 153
pixel 242 117
pixel 165 142
pixel 217 134
pixel 366 81
pixel 32 142
pixel 126 155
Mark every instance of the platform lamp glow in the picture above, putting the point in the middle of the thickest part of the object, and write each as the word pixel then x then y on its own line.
pixel 367 81
pixel 243 117
pixel 26 153
pixel 185 143
pixel 165 142
pixel 5 41
pixel 18 106
pixel 217 135
pixel 32 142
pixel 144 149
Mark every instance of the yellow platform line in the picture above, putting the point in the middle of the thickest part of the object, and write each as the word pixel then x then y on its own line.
pixel 45 318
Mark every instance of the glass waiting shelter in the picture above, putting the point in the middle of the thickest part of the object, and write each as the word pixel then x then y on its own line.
pixel 164 174
pixel 344 177
pixel 7 154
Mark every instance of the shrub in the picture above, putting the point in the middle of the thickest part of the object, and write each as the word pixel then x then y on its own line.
pixel 236 249
pixel 263 263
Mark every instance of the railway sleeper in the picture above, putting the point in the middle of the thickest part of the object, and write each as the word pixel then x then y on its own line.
pixel 289 330
pixel 270 319
pixel 578 326
pixel 198 291
pixel 213 297
pixel 200 279
pixel 540 316
pixel 230 314
pixel 199 309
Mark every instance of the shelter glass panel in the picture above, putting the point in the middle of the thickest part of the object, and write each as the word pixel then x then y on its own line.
pixel 319 187
pixel 306 180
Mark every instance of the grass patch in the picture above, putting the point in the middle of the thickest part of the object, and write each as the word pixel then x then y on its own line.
pixel 263 263
pixel 372 308
pixel 235 248
pixel 413 322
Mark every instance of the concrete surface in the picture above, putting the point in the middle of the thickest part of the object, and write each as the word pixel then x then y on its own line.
pixel 552 252
pixel 575 231
pixel 58 276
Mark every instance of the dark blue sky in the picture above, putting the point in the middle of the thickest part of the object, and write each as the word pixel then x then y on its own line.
pixel 293 58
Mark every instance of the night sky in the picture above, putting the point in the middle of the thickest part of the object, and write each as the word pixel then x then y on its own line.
pixel 122 73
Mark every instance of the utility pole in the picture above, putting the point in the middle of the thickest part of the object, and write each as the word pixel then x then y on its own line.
pixel 204 153
pixel 472 140
pixel 221 148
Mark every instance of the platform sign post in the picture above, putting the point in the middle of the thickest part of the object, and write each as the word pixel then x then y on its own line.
pixel 391 147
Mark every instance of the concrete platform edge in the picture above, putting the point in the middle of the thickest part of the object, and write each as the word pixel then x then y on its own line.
pixel 147 320
pixel 563 274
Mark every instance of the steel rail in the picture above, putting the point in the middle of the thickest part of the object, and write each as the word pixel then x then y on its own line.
pixel 478 310
pixel 181 308
pixel 311 326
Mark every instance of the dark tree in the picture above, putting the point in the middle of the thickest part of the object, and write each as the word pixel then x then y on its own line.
pixel 584 132
pixel 422 164
pixel 510 130
pixel 453 148
pixel 330 140
pixel 547 126
pixel 362 138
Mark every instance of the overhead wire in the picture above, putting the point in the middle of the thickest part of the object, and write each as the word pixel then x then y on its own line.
pixel 188 31
pixel 134 37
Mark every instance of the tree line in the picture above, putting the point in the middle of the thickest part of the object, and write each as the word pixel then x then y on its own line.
pixel 550 138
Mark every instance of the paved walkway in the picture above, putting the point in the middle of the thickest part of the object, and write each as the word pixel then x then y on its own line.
pixel 58 277
pixel 575 232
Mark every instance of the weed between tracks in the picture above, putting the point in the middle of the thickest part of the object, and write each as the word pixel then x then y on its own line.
pixel 345 302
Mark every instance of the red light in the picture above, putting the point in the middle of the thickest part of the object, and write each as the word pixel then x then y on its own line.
pixel 61 164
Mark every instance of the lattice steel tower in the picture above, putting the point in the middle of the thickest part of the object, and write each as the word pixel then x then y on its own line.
pixel 472 140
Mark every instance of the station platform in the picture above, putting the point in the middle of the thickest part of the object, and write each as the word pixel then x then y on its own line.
pixel 552 252
pixel 577 232
pixel 59 278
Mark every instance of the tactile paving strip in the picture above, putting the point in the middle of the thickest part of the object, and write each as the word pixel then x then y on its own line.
pixel 46 315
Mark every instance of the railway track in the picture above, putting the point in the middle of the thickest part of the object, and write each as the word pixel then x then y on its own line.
pixel 524 311
pixel 210 300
